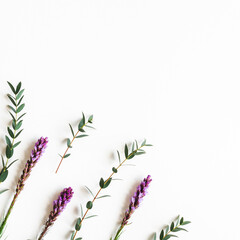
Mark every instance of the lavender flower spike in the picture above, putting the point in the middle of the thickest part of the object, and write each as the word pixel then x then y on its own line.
pixel 134 203
pixel 36 153
pixel 58 206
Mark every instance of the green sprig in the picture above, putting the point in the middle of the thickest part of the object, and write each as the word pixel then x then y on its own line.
pixel 135 150
pixel 175 226
pixel 82 124
pixel 14 130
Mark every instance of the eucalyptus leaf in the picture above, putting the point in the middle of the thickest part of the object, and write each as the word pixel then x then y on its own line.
pixel 126 151
pixel 19 94
pixel 20 108
pixel 3 175
pixel 89 205
pixel 10 132
pixel 12 88
pixel 71 129
pixel 18 87
pixel 9 152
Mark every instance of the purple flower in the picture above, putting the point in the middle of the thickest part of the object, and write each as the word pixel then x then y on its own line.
pixel 58 206
pixel 36 153
pixel 136 199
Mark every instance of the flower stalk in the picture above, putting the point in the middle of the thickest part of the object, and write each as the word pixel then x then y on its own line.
pixel 58 206
pixel 36 153
pixel 134 204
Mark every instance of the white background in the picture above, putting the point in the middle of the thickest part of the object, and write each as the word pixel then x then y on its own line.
pixel 163 70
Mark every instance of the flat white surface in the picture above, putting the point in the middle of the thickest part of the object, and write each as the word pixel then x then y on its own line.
pixel 163 70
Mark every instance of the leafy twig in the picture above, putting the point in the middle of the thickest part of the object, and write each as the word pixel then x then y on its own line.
pixel 129 154
pixel 15 129
pixel 78 134
pixel 175 226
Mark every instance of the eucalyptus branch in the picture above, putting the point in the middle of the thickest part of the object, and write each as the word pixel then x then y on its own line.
pixel 14 110
pixel 78 134
pixel 175 226
pixel 134 151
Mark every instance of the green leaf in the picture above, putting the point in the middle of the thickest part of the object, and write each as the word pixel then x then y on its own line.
pixel 18 87
pixel 103 196
pixel 12 108
pixel 185 222
pixel 9 152
pixel 12 116
pixel 81 136
pixel 91 216
pixel 72 236
pixel 71 129
pixel 167 229
pixel 148 145
pixel 16 144
pixel 161 235
pixel 11 99
pixel 119 159
pixel 11 163
pixel 4 190
pixel 20 108
pixel 172 226
pixel 69 143
pixel 101 183
pixel 3 164
pixel 126 151
pixel 81 210
pixel 114 170
pixel 182 220
pixel 21 116
pixel 83 117
pixel 19 94
pixel 78 238
pixel 11 86
pixel 90 119
pixel 143 143
pixel 77 225
pixel 19 102
pixel 14 124
pixel 18 133
pixel 136 144
pixel 19 124
pixel 132 155
pixel 107 183
pixel 89 205
pixel 3 174
pixel 66 155
pixel 155 236
pixel 139 153
pixel 179 229
pixel 8 141
pixel 89 191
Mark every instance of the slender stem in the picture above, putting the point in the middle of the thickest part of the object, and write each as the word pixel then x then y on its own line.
pixel 118 232
pixel 8 213
pixel 44 232
pixel 74 137
pixel 100 189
